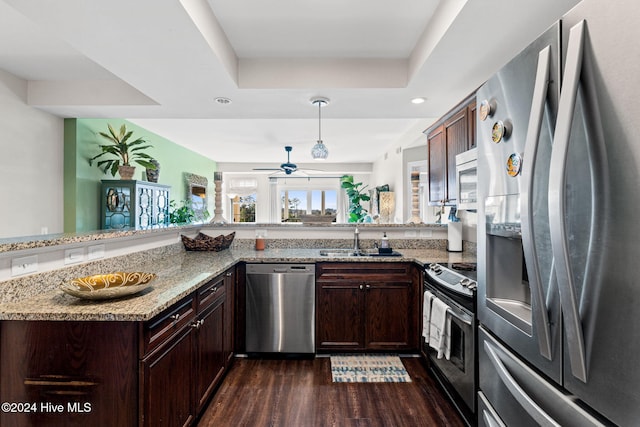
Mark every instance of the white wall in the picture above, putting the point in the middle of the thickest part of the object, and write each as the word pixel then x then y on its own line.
pixel 31 164
pixel 388 168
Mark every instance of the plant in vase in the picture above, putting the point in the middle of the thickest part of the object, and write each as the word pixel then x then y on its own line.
pixel 125 153
pixel 356 195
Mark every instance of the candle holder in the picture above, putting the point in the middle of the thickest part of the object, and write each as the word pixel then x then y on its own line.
pixel 217 217
pixel 415 198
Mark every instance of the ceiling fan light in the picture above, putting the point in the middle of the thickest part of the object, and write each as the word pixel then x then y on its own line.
pixel 319 151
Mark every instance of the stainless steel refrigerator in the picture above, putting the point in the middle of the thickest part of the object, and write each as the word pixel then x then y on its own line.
pixel 559 194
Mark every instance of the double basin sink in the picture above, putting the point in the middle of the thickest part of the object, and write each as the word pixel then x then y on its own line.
pixel 336 253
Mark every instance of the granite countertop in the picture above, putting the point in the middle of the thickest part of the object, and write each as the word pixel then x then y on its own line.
pixel 180 275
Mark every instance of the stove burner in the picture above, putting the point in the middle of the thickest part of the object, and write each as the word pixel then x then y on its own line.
pixel 463 266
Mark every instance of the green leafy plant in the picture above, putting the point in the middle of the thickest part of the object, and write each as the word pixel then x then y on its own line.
pixel 125 152
pixel 182 215
pixel 356 195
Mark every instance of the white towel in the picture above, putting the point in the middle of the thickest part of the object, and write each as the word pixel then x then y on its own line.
pixel 440 329
pixel 426 314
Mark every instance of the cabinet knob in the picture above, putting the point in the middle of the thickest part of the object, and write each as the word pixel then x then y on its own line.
pixel 368 287
pixel 197 324
pixel 229 274
pixel 214 289
pixel 361 287
pixel 175 317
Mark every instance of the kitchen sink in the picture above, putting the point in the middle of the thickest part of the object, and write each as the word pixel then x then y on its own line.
pixel 334 253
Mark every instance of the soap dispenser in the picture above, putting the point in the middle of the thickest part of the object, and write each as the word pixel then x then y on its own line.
pixel 384 243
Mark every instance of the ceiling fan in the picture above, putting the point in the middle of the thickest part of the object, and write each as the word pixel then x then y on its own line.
pixel 288 167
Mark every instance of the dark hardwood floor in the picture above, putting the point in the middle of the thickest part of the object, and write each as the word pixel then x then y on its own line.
pixel 299 393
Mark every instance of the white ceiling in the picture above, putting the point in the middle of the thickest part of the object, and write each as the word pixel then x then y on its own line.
pixel 162 63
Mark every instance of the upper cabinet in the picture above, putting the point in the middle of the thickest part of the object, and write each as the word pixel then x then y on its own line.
pixel 452 134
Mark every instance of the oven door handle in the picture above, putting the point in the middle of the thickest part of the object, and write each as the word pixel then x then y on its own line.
pixel 466 320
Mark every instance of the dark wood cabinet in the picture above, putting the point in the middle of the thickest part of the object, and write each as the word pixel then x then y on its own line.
pixel 159 372
pixel 209 355
pixel 437 150
pixel 366 306
pixel 229 316
pixel 451 135
pixel 167 398
pixel 70 373
pixel 339 315
pixel 190 360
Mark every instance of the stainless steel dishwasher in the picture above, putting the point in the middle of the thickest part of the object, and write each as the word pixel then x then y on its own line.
pixel 280 308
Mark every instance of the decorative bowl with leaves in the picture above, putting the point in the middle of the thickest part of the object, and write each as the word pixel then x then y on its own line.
pixel 108 286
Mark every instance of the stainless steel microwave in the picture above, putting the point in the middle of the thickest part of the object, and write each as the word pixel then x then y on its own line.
pixel 467 179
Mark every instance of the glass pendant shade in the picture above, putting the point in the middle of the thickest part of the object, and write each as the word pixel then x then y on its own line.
pixel 319 151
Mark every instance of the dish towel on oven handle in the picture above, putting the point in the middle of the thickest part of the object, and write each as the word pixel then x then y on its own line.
pixel 426 313
pixel 440 329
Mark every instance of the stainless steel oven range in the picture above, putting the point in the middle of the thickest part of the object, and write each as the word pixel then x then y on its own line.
pixel 455 284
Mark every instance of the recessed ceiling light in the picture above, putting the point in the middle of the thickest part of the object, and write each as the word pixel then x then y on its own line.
pixel 418 100
pixel 223 101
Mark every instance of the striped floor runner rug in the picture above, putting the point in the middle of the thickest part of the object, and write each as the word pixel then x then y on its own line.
pixel 368 368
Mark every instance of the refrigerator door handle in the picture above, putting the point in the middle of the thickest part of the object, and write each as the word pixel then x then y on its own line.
pixel 489 420
pixel 527 403
pixel 539 306
pixel 557 213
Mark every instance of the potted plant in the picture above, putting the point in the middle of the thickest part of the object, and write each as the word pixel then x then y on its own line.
pixel 356 195
pixel 125 153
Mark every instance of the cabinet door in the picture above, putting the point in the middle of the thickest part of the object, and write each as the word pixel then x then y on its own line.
pixel 209 357
pixel 166 383
pixel 229 315
pixel 437 166
pixel 89 369
pixel 339 321
pixel 457 142
pixel 389 311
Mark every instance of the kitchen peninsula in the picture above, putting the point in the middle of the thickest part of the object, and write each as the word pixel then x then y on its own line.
pixel 134 348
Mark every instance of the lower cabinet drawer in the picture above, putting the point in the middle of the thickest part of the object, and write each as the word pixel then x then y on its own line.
pixel 166 324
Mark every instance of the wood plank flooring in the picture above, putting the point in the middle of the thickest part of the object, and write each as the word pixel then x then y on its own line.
pixel 299 393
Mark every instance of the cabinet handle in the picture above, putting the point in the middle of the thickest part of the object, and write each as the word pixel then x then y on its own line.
pixel 175 318
pixel 368 287
pixel 214 289
pixel 229 274
pixel 197 324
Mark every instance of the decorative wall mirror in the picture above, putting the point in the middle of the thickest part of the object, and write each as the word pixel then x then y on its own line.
pixel 197 193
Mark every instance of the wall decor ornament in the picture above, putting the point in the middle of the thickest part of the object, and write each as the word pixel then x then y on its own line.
pixel 387 206
pixel 217 217
pixel 153 174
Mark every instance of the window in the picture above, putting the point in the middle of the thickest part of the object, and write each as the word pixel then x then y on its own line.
pixel 296 203
pixel 244 208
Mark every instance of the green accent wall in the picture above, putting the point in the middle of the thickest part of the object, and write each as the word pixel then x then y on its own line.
pixel 82 182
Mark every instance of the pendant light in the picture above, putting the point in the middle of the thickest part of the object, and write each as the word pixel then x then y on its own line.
pixel 319 151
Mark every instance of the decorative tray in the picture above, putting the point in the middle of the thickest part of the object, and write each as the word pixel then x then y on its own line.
pixel 203 242
pixel 108 286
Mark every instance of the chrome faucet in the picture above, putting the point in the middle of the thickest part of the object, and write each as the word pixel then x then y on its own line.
pixel 356 241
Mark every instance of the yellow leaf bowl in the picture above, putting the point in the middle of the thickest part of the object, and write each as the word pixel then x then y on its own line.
pixel 108 286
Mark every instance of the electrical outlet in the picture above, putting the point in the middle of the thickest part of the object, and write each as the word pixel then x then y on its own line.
pixel 95 252
pixel 73 256
pixel 24 265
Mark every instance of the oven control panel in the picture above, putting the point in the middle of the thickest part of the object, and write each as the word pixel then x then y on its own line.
pixel 451 280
